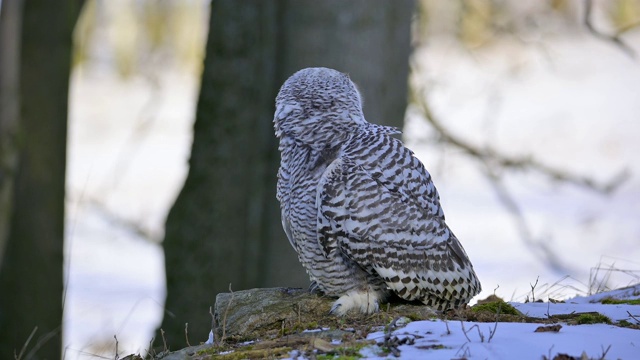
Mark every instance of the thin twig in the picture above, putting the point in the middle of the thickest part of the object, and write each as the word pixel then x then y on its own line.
pixel 548 309
pixel 224 318
pixel 604 352
pixel 466 353
pixel 43 340
pixel 116 357
pixel 542 250
pixel 533 289
pixel 150 350
pixel 633 317
pixel 464 331
pixel 164 341
pixel 480 334
pixel 615 39
pixel 186 333
pixel 26 343
pixel 549 357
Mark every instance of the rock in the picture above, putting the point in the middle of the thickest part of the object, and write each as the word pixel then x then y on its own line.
pixel 188 353
pixel 248 313
pixel 267 313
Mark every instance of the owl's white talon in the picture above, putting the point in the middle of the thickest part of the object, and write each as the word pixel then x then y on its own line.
pixel 361 301
pixel 334 308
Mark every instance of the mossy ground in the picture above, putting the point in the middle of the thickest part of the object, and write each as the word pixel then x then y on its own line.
pixel 618 301
pixel 351 330
pixel 592 318
pixel 498 306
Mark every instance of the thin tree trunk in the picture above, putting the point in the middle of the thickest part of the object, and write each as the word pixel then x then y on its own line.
pixel 31 277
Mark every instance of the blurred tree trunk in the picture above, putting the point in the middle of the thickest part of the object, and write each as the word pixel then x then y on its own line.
pixel 225 227
pixel 31 279
pixel 10 26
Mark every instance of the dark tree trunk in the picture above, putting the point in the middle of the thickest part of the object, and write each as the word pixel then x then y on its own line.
pixel 10 27
pixel 368 39
pixel 225 227
pixel 31 279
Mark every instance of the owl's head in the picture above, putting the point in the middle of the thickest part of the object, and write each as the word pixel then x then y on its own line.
pixel 317 107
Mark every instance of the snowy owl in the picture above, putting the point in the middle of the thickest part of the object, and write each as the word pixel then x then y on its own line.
pixel 358 207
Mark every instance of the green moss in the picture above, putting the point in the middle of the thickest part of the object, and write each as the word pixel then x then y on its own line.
pixel 254 354
pixel 213 350
pixel 298 328
pixel 495 307
pixel 338 357
pixel 350 352
pixel 414 317
pixel 592 319
pixel 624 323
pixel 618 301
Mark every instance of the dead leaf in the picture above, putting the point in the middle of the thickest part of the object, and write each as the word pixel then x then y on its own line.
pixel 549 328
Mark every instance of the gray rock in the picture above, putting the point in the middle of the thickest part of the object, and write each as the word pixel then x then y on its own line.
pixel 251 313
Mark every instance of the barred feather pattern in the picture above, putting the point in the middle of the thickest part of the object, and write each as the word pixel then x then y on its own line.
pixel 358 207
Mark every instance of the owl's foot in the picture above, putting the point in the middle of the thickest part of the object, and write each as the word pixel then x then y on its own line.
pixel 361 301
pixel 314 288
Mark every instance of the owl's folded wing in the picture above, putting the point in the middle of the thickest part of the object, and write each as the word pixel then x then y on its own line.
pixel 391 228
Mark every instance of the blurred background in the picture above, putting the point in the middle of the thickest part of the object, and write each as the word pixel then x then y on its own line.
pixel 527 115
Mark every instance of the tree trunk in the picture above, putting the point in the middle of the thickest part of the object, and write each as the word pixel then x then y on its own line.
pixel 225 227
pixel 31 277
pixel 10 27
pixel 368 39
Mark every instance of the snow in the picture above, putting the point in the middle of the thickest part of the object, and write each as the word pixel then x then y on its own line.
pixel 629 293
pixel 510 341
pixel 438 339
pixel 615 312
pixel 576 112
pixel 581 304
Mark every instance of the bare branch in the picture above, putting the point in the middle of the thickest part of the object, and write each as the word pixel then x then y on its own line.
pixel 122 222
pixel 633 317
pixel 224 319
pixel 533 289
pixel 43 340
pixel 494 162
pixel 615 39
pixel 186 333
pixel 150 351
pixel 604 352
pixel 26 343
pixel 116 357
pixel 541 250
pixel 164 341
pixel 496 159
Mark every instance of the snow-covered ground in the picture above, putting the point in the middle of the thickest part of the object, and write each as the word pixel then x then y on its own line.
pixel 459 340
pixel 574 105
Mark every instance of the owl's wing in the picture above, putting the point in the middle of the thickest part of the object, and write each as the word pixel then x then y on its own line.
pixel 388 220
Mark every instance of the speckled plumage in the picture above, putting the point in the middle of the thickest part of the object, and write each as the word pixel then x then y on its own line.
pixel 358 207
